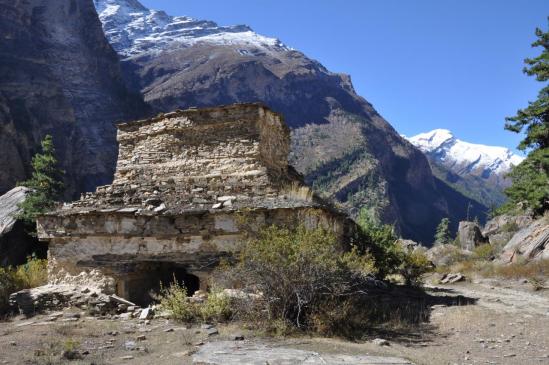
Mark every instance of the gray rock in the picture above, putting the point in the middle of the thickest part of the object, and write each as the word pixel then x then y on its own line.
pixel 531 242
pixel 470 236
pixel 380 342
pixel 249 353
pixel 15 243
pixel 130 345
pixel 452 278
pixel 146 313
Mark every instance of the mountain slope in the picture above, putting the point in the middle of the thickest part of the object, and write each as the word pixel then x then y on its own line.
pixel 474 169
pixel 59 75
pixel 340 143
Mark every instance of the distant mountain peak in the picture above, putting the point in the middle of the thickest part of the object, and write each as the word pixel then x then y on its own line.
pixel 133 30
pixel 442 145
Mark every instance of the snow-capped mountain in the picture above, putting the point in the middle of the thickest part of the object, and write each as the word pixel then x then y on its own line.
pixel 177 62
pixel 132 30
pixel 476 170
pixel 464 157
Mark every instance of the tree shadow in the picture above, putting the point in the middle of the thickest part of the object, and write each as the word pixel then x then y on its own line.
pixel 403 314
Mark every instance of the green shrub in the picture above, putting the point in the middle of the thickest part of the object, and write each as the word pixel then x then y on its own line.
pixel 483 252
pixel 32 274
pixel 174 299
pixel 389 257
pixel 413 266
pixel 8 284
pixel 300 272
pixel 510 227
pixel 216 308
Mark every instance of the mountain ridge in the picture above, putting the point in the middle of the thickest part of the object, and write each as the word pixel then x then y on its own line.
pixel 340 143
pixel 475 169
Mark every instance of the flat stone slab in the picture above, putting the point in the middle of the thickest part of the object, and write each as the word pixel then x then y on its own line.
pixel 253 353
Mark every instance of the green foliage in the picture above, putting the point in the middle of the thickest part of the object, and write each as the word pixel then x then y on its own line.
pixel 216 308
pixel 413 266
pixel 45 183
pixel 32 274
pixel 174 299
pixel 300 272
pixel 8 284
pixel 381 242
pixel 483 252
pixel 442 235
pixel 530 186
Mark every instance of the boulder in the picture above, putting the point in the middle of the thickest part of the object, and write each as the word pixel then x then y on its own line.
pixel 530 243
pixel 445 255
pixel 506 223
pixel 15 243
pixel 408 245
pixel 469 235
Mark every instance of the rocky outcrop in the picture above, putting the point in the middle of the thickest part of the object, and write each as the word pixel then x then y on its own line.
pixel 59 76
pixel 15 242
pixel 529 243
pixel 470 236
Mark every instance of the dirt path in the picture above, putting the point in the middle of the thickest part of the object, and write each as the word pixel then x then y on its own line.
pixel 512 298
pixel 508 324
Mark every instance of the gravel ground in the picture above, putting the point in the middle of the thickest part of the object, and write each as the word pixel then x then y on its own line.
pixel 508 324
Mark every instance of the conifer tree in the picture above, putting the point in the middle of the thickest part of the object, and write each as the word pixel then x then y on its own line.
pixel 530 187
pixel 442 235
pixel 45 184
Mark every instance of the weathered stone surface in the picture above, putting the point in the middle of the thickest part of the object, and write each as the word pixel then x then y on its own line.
pixel 504 222
pixel 469 235
pixel 15 243
pixel 59 76
pixel 253 353
pixel 531 242
pixel 452 278
pixel 444 255
pixel 185 163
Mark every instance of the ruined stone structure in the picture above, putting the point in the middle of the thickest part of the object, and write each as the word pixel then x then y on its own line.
pixel 189 187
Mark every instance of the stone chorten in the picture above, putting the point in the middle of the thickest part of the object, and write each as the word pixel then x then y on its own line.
pixel 189 187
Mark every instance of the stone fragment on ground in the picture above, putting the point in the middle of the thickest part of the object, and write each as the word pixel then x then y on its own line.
pixel 452 278
pixel 253 353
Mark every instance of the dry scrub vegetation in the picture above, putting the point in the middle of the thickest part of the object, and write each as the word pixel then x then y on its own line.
pixel 303 280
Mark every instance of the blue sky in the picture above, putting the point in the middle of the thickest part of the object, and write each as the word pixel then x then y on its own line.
pixel 423 64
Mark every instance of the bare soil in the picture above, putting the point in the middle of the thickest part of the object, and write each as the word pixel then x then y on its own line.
pixel 504 323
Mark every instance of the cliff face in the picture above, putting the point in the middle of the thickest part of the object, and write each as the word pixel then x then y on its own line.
pixel 59 76
pixel 345 149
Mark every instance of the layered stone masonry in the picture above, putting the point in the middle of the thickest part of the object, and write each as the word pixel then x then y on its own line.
pixel 189 188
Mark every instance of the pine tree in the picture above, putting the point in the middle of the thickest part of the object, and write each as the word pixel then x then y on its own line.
pixel 530 187
pixel 45 184
pixel 442 235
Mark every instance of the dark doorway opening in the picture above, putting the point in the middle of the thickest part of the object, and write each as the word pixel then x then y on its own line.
pixel 148 278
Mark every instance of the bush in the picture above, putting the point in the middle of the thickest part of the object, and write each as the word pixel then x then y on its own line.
pixel 413 266
pixel 32 274
pixel 484 252
pixel 174 299
pixel 300 273
pixel 216 308
pixel 389 256
pixel 8 284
